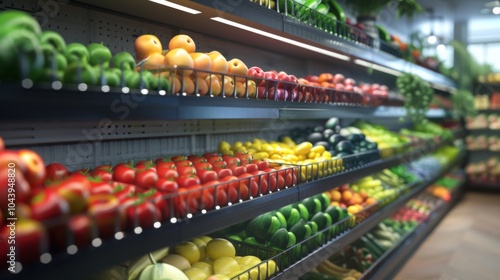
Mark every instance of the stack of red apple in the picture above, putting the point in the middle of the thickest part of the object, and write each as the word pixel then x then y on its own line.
pixel 58 208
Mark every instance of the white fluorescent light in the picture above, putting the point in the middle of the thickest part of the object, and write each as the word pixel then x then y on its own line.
pixel 176 6
pixel 496 10
pixel 282 39
pixel 441 47
pixel 432 39
pixel 377 67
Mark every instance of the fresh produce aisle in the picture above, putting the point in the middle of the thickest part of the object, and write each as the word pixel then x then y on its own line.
pixel 288 166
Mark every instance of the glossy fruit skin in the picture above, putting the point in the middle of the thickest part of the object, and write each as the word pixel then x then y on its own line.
pixel 12 180
pixel 124 173
pixel 105 210
pixel 187 180
pixel 35 167
pixel 75 189
pixel 167 185
pixel 56 171
pixel 146 45
pixel 142 214
pixel 48 204
pixel 167 173
pixel 146 179
pixel 182 41
pixel 122 191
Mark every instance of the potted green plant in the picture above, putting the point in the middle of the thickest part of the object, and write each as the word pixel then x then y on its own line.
pixel 367 12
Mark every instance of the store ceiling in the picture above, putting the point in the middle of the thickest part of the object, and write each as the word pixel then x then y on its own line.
pixel 458 10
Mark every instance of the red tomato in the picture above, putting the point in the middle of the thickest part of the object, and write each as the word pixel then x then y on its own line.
pixel 286 174
pixel 104 210
pixel 202 166
pixel 261 164
pixel 223 172
pixel 245 158
pixel 144 164
pixel 272 178
pixel 187 180
pixel 251 167
pixel 56 171
pixel 219 164
pixel 215 158
pixel 183 205
pixel 146 178
pixel 207 175
pixel 142 214
pixel 122 191
pixel 262 179
pixel 251 184
pixel 209 155
pixel 159 199
pixel 186 170
pixel 75 189
pixel 231 160
pixel 178 158
pixel 106 167
pixel 196 159
pixel 160 163
pixel 237 169
pixel 231 185
pixel 167 185
pixel 167 173
pixel 99 186
pixel 123 173
pixel 105 175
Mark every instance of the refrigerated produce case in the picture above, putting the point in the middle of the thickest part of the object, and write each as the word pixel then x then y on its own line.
pixel 92 125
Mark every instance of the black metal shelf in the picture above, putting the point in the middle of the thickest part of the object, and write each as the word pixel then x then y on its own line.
pixel 392 261
pixel 321 254
pixel 260 20
pixel 44 103
pixel 92 260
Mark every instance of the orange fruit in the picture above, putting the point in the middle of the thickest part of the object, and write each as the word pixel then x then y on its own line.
pixel 154 62
pixel 237 67
pixel 179 57
pixel 215 85
pixel 201 86
pixel 201 62
pixel 182 41
pixel 219 62
pixel 146 45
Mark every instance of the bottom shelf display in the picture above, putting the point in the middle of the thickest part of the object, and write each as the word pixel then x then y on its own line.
pixel 378 254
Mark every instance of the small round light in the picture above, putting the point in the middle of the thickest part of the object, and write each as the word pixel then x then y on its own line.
pixel 56 85
pixel 72 249
pixel 496 10
pixel 119 235
pixel 144 91
pixel 441 47
pixel 105 88
pixel 125 90
pixel 82 87
pixel 173 220
pixel 432 39
pixel 97 242
pixel 27 83
pixel 46 258
pixel 138 230
pixel 189 216
pixel 157 225
pixel 204 211
pixel 162 92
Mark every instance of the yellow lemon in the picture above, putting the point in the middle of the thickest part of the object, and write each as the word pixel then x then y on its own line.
pixel 176 260
pixel 225 265
pixel 249 261
pixel 220 247
pixel 205 238
pixel 218 277
pixel 189 250
pixel 205 267
pixel 194 273
pixel 202 246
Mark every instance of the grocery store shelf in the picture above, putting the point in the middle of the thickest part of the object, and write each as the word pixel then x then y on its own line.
pixel 388 265
pixel 44 103
pixel 321 254
pixel 135 245
pixel 255 25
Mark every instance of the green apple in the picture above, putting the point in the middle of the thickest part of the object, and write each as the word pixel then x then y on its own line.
pixel 76 73
pixel 76 52
pixel 54 39
pixel 99 55
pixel 112 78
pixel 124 61
pixel 133 80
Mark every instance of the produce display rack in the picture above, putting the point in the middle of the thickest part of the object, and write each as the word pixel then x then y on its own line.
pixel 73 105
pixel 388 265
pixel 110 252
pixel 246 20
pixel 321 254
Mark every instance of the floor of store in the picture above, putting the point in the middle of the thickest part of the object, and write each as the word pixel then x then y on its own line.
pixel 465 245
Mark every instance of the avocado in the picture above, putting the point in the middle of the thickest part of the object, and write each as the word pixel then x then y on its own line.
pixel 314 137
pixel 327 133
pixel 319 128
pixel 344 146
pixel 331 123
pixel 335 139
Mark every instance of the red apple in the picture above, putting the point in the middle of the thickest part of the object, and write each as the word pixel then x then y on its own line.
pixel 35 167
pixel 311 78
pixel 26 245
pixel 349 81
pixel 48 204
pixel 56 171
pixel 75 190
pixel 338 79
pixel 104 210
pixel 14 189
pixel 256 72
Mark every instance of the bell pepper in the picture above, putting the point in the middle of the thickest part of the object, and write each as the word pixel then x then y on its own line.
pixel 99 55
pixel 54 39
pixel 77 53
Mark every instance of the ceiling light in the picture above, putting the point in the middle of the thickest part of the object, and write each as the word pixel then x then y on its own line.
pixel 441 47
pixel 282 39
pixel 377 67
pixel 496 10
pixel 176 6
pixel 432 39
